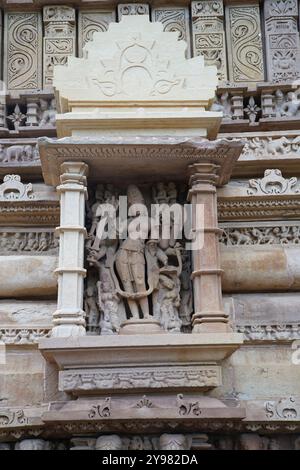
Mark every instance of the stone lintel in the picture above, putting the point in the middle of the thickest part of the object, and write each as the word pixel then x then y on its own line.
pixel 149 159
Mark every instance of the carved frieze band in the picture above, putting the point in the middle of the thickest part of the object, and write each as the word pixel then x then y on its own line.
pixel 140 378
pixel 244 43
pixel 281 234
pixel 89 22
pixel 23 336
pixel 59 40
pixel 282 40
pixel 174 19
pixel 209 35
pixel 22 50
pixel 28 242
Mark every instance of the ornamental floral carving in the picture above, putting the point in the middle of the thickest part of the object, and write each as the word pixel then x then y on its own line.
pixel 273 183
pixel 101 410
pixel 12 189
pixel 285 408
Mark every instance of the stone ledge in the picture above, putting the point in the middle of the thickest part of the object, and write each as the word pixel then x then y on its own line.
pixel 139 350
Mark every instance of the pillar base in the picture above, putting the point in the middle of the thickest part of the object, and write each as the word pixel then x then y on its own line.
pixel 211 322
pixel 65 331
pixel 141 327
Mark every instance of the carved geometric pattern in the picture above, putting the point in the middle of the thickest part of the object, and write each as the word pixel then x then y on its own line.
pixel 90 22
pixel 174 19
pixel 59 40
pixel 209 35
pixel 23 51
pixel 244 44
pixel 132 9
pixel 282 40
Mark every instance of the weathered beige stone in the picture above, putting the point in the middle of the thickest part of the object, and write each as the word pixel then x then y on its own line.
pixel 260 268
pixel 16 313
pixel 260 372
pixel 23 366
pixel 263 308
pixel 27 276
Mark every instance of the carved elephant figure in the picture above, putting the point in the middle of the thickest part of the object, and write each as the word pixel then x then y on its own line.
pixel 16 153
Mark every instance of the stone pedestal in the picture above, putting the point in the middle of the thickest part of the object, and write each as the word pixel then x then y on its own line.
pixel 209 315
pixel 69 318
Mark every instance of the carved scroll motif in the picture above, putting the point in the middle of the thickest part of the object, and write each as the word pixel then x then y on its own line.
pixel 59 40
pixel 23 51
pixel 282 40
pixel 90 22
pixel 132 9
pixel 174 19
pixel 209 35
pixel 244 44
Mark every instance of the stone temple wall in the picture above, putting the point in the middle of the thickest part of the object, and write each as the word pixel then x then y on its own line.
pixel 255 46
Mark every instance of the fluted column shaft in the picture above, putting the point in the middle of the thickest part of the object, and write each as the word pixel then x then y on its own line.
pixel 69 318
pixel 209 315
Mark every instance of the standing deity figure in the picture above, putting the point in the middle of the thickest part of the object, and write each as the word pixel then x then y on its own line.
pixel 130 258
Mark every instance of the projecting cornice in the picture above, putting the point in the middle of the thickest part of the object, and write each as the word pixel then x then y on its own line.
pixel 138 158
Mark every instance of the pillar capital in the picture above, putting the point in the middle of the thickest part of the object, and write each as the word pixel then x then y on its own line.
pixel 73 172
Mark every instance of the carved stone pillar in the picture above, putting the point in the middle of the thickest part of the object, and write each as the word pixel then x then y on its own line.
pixel 209 315
pixel 69 318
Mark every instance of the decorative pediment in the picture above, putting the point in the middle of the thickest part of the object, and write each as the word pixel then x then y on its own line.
pixel 135 60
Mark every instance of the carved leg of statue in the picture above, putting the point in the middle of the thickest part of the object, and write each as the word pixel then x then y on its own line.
pixel 133 307
pixel 145 307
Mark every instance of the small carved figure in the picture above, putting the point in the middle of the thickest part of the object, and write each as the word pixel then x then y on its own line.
pixel 18 242
pixel 43 242
pixel 48 117
pixel 5 242
pixel 174 442
pixel 32 243
pixel 111 442
pixel 33 444
pixel 223 105
pixel 248 441
pixel 292 106
pixel 91 309
pixel 160 193
pixel 109 305
pixel 170 303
